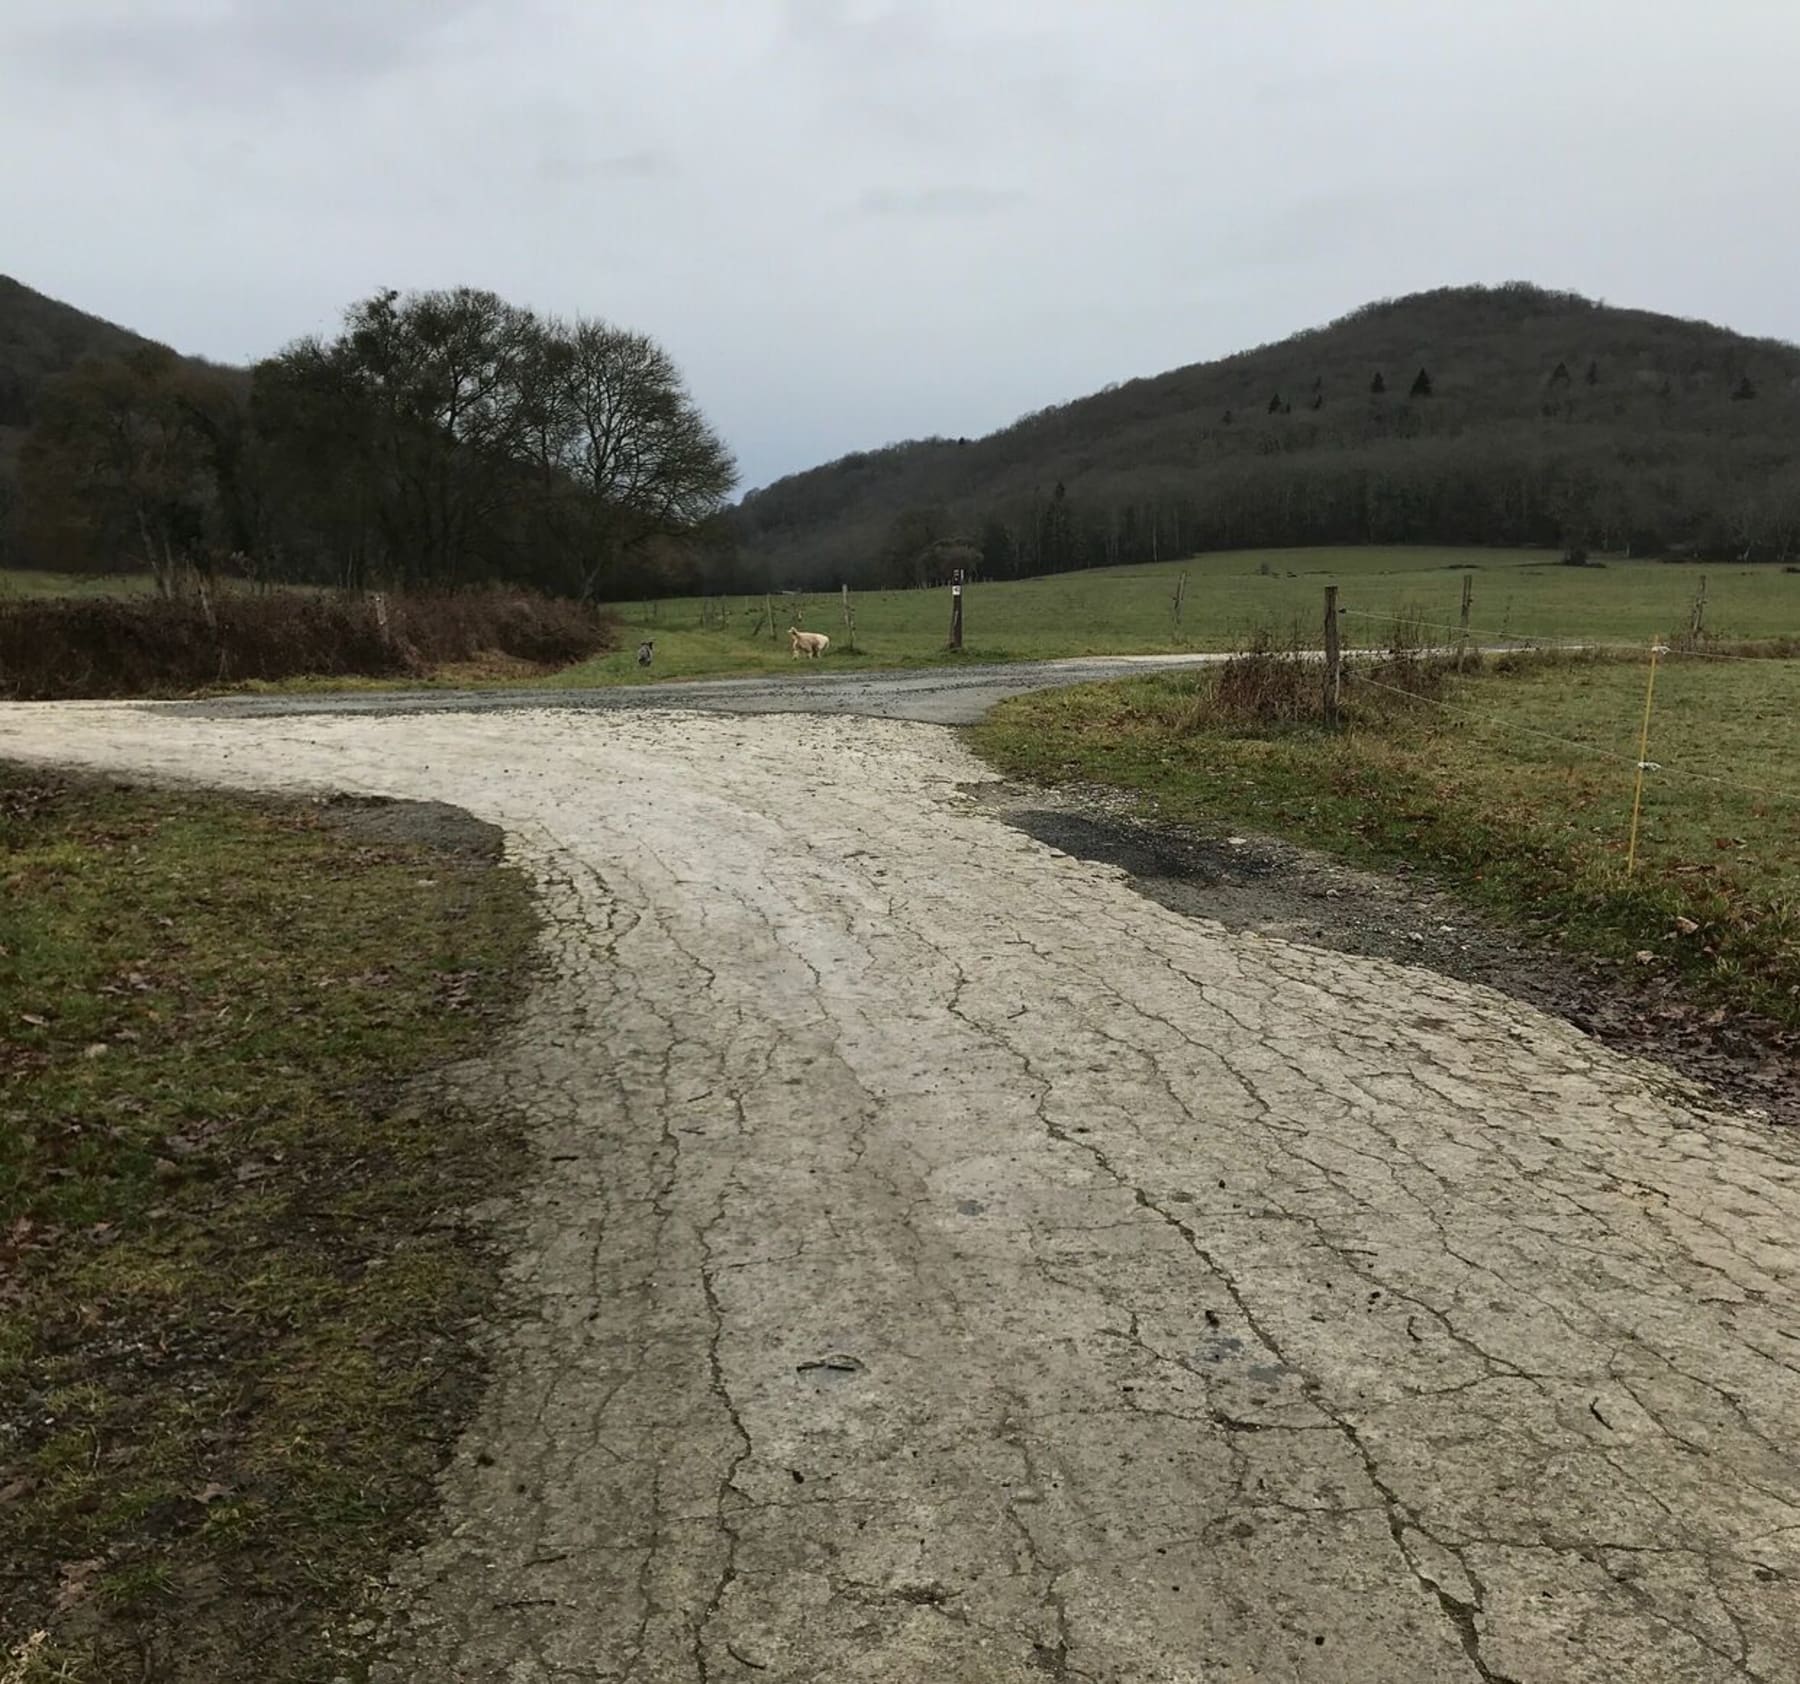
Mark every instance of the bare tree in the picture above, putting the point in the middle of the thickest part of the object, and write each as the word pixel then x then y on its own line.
pixel 649 463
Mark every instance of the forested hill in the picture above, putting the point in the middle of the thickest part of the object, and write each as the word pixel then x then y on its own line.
pixel 1505 415
pixel 41 338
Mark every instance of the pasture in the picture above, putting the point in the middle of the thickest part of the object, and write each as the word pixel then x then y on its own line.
pixel 1517 594
pixel 1229 597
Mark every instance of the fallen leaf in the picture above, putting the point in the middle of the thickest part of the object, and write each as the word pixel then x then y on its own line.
pixel 1686 926
pixel 211 1492
pixel 34 1020
pixel 1644 956
pixel 95 1049
pixel 75 1576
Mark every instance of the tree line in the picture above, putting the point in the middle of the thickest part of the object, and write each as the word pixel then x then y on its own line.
pixel 439 439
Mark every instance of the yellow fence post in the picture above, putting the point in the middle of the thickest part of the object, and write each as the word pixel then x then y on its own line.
pixel 1643 764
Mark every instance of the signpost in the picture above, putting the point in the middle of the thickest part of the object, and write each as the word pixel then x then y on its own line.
pixel 956 585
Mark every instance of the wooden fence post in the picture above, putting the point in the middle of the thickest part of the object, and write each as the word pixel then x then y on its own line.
pixel 956 588
pixel 769 609
pixel 1697 627
pixel 1462 646
pixel 1180 592
pixel 1334 662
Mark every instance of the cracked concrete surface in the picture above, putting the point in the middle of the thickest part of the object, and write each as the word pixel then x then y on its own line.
pixel 948 1265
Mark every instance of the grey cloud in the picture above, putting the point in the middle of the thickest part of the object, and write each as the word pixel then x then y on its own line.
pixel 938 201
pixel 853 220
pixel 645 165
pixel 1323 226
pixel 180 49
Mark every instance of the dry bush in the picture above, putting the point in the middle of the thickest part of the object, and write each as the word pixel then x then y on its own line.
pixel 1270 684
pixel 1277 684
pixel 53 648
pixel 1410 664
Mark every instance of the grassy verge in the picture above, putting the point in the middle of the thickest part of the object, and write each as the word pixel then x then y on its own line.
pixel 1515 785
pixel 233 1286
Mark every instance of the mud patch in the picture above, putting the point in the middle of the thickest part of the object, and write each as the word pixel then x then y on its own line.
pixel 432 824
pixel 1297 894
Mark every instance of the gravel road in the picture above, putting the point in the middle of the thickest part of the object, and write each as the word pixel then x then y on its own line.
pixel 941 695
pixel 949 1266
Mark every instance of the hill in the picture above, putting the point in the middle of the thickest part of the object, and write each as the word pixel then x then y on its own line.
pixel 1488 415
pixel 40 338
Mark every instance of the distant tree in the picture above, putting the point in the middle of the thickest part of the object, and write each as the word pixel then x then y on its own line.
pixel 1056 533
pixel 1744 389
pixel 910 537
pixel 1421 386
pixel 1226 418
pixel 1318 383
pixel 1275 404
pixel 646 458
pixel 1593 372
pixel 999 557
pixel 1318 400
pixel 1559 376
pixel 1377 386
pixel 446 437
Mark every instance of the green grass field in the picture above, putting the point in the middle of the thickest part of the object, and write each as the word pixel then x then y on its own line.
pixel 1128 610
pixel 1517 786
pixel 1518 594
pixel 233 1288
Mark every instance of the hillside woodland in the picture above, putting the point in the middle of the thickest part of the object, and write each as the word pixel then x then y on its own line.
pixel 39 340
pixel 440 439
pixel 452 438
pixel 1470 415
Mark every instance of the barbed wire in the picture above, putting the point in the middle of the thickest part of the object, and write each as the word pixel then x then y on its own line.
pixel 1559 642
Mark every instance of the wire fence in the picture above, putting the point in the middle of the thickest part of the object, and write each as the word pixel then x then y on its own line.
pixel 1692 736
pixel 1716 746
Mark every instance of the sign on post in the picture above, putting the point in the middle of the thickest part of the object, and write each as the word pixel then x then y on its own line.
pixel 956 585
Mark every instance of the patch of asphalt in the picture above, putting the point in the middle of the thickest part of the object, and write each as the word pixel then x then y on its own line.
pixel 946 695
pixel 1248 882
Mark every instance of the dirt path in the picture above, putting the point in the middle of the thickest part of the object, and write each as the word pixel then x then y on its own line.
pixel 935 695
pixel 949 1265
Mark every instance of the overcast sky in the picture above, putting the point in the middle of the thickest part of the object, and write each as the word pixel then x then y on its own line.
pixel 854 221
